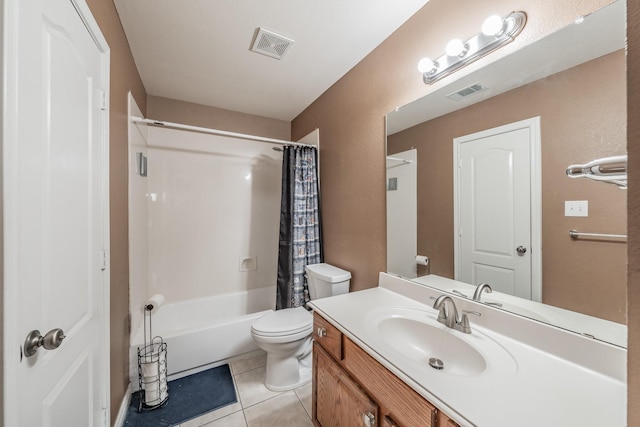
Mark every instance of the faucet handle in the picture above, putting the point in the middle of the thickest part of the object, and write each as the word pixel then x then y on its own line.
pixel 475 313
pixel 464 325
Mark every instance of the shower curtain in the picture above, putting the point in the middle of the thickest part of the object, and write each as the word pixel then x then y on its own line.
pixel 300 225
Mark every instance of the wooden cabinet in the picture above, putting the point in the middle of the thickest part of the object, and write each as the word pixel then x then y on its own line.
pixel 339 400
pixel 350 388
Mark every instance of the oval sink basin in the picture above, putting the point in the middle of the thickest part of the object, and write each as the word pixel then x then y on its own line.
pixel 423 341
pixel 418 338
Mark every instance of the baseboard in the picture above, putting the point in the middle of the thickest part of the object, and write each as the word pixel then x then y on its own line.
pixel 122 413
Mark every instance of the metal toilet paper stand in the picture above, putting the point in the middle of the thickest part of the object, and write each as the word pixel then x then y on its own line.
pixel 152 368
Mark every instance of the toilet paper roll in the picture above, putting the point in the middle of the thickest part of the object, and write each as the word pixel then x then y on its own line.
pixel 153 303
pixel 422 260
pixel 150 370
pixel 152 397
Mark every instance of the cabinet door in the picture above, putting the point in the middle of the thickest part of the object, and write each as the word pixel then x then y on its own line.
pixel 339 402
pixel 399 402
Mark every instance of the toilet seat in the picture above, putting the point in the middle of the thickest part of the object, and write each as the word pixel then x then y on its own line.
pixel 281 323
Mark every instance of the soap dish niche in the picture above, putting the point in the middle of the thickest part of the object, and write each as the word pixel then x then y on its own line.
pixel 248 263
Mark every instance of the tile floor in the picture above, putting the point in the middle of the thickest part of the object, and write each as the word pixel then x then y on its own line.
pixel 257 406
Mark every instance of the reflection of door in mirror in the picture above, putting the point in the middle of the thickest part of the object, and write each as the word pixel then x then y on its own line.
pixel 583 117
pixel 402 209
pixel 496 205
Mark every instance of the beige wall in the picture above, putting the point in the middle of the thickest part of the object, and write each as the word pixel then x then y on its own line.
pixel 350 116
pixel 583 117
pixel 382 81
pixel 124 78
pixel 172 110
pixel 633 208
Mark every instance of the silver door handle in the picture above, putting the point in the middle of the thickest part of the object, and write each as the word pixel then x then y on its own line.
pixel 521 250
pixel 50 341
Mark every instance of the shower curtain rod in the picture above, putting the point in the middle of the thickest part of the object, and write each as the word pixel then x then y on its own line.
pixel 217 132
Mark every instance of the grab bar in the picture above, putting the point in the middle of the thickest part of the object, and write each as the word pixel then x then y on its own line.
pixel 575 234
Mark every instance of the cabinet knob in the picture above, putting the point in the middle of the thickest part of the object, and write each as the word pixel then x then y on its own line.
pixel 369 419
pixel 321 332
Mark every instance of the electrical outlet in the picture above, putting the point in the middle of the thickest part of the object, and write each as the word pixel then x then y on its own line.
pixel 576 208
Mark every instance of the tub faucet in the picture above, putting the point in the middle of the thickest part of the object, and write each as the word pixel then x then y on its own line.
pixel 448 315
pixel 477 295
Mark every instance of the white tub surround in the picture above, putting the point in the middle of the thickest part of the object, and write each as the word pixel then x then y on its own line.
pixel 553 377
pixel 204 220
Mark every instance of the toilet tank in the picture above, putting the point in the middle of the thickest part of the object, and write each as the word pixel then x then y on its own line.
pixel 326 280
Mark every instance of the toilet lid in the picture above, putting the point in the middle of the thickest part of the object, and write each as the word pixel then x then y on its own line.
pixel 284 322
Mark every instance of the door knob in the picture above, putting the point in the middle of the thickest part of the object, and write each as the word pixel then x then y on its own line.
pixel 521 250
pixel 50 341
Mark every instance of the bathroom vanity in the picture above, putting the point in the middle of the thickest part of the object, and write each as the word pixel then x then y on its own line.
pixel 352 388
pixel 371 366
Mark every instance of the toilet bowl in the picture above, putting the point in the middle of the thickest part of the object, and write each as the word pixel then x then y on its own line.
pixel 286 335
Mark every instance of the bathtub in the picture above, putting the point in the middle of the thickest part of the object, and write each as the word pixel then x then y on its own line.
pixel 205 331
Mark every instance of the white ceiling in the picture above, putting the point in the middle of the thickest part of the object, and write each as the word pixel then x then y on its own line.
pixel 198 50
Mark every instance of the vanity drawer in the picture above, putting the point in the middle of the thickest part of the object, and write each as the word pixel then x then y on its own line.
pixel 328 336
pixel 397 400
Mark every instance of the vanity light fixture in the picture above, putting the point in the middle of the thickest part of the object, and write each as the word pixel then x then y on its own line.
pixel 496 32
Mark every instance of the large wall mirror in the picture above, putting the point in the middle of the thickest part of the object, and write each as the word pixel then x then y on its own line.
pixel 570 89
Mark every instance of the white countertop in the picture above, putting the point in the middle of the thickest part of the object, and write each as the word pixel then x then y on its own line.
pixel 558 378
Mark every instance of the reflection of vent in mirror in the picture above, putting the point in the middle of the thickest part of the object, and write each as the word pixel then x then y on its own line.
pixel 393 184
pixel 467 91
pixel 271 44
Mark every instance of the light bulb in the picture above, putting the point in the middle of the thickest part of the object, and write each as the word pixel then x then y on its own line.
pixel 426 65
pixel 492 25
pixel 456 48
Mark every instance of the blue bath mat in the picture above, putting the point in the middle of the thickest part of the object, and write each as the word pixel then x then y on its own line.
pixel 189 397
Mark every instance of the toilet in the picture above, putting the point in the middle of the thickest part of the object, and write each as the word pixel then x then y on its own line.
pixel 286 335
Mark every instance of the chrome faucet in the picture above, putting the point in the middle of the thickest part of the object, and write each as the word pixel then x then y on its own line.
pixel 477 295
pixel 448 315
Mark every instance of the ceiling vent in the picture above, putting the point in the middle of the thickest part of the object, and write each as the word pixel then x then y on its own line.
pixel 467 91
pixel 271 44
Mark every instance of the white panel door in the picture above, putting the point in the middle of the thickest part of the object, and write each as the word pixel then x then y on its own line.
pixel 402 213
pixel 494 221
pixel 56 214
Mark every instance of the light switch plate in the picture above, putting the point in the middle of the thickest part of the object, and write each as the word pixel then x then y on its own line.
pixel 576 208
